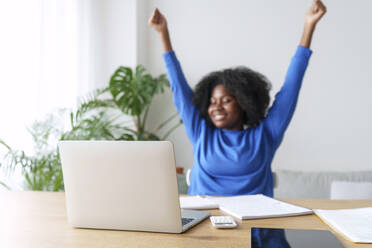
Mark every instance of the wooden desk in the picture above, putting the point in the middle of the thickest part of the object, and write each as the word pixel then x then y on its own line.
pixel 38 220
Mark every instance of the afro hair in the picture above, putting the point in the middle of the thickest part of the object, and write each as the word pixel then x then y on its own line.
pixel 250 88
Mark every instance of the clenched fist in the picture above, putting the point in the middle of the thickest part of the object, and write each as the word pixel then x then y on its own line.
pixel 315 13
pixel 158 22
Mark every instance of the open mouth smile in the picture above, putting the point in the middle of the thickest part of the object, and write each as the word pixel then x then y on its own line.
pixel 219 117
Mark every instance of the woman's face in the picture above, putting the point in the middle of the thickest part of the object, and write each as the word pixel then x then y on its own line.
pixel 224 110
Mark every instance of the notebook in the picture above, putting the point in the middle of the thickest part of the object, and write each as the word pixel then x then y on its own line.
pixel 196 202
pixel 353 224
pixel 249 206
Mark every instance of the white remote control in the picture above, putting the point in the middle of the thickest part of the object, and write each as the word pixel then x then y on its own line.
pixel 223 221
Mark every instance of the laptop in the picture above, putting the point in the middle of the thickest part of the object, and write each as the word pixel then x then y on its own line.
pixel 124 185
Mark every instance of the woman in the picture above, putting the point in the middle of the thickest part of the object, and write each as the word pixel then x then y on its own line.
pixel 233 135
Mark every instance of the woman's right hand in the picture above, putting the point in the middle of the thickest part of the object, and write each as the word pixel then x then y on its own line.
pixel 158 22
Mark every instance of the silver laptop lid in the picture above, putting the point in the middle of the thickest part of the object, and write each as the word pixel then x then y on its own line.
pixel 125 185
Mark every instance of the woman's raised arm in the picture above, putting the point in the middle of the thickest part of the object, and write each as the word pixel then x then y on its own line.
pixel 313 15
pixel 182 93
pixel 158 22
pixel 281 112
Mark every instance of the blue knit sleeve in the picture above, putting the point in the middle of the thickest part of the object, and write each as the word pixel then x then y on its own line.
pixel 281 112
pixel 182 96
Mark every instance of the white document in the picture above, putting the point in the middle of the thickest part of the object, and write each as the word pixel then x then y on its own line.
pixel 354 224
pixel 257 206
pixel 196 202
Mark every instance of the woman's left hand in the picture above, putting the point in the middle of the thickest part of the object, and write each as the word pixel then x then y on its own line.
pixel 315 13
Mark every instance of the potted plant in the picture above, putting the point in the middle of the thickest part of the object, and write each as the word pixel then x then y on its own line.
pixel 99 117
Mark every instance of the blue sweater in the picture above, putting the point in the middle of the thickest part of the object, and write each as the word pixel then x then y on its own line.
pixel 236 162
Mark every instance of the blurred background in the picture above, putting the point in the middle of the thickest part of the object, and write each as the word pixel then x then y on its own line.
pixel 52 52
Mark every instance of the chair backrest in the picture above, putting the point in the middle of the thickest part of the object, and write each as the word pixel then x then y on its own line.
pixel 342 190
pixel 188 173
pixel 313 184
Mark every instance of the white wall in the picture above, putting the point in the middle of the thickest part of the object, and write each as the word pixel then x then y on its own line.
pixel 114 37
pixel 331 129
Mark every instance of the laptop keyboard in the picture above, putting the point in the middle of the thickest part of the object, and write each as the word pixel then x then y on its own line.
pixel 185 221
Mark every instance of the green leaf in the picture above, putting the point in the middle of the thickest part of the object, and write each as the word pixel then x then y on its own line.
pixel 131 93
pixel 4 185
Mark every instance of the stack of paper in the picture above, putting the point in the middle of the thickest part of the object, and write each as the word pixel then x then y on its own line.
pixel 245 207
pixel 196 202
pixel 257 206
pixel 354 224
